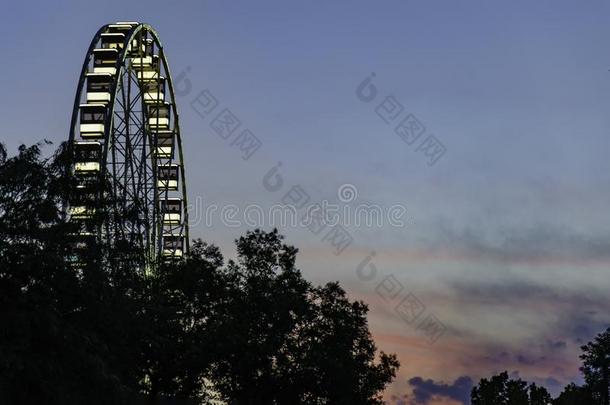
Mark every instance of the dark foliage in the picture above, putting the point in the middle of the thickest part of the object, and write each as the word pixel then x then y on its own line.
pixel 252 331
pixel 596 368
pixel 572 394
pixel 500 390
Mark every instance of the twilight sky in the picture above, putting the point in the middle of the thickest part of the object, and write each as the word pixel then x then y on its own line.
pixel 506 238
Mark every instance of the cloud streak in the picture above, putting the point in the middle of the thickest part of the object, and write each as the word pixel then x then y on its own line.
pixel 540 244
pixel 424 391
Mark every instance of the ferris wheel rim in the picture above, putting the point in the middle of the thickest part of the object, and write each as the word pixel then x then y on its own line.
pixel 120 70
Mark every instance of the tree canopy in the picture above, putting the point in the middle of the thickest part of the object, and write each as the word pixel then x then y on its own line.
pixel 249 331
pixel 501 390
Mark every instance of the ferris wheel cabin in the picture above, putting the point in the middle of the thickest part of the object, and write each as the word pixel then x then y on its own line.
pixel 165 144
pixel 171 209
pixel 87 157
pixel 92 118
pixel 154 91
pixel 119 31
pixel 104 60
pixel 98 87
pixel 147 68
pixel 167 177
pixel 83 204
pixel 80 243
pixel 120 27
pixel 158 116
pixel 81 240
pixel 173 246
pixel 114 40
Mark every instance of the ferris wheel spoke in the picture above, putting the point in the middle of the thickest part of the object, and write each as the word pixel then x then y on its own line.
pixel 125 132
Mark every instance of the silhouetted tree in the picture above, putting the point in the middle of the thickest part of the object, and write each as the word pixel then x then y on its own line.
pixel 596 367
pixel 285 341
pixel 502 390
pixel 572 394
pixel 252 331
pixel 538 395
pixel 185 304
pixel 59 333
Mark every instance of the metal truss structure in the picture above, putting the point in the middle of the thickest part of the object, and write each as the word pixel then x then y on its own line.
pixel 126 150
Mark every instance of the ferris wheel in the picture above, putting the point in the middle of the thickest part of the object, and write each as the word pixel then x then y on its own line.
pixel 125 134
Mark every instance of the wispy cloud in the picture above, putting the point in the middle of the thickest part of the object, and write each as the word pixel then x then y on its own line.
pixel 425 390
pixel 538 244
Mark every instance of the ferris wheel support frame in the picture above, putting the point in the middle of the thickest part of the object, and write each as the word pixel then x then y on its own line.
pixel 120 71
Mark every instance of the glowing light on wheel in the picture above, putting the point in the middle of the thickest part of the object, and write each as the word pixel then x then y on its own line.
pixel 125 134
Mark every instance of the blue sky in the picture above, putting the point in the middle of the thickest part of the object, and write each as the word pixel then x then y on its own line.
pixel 506 236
